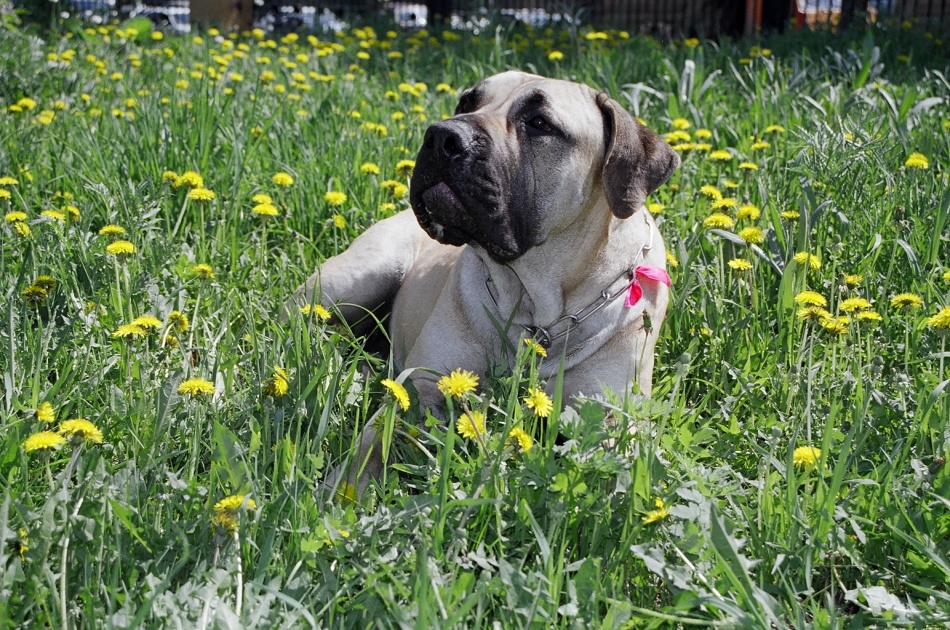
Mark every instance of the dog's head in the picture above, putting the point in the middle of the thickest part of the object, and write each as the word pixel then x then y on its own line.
pixel 524 155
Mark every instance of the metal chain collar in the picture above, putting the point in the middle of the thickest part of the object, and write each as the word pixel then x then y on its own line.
pixel 542 334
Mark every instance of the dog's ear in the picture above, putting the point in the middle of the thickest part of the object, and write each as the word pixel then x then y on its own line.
pixel 637 161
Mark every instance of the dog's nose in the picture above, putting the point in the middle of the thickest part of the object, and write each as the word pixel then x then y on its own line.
pixel 448 140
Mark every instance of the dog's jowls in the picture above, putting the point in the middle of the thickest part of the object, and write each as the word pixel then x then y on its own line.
pixel 527 204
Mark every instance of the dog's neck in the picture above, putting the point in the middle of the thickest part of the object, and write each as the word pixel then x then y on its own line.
pixel 598 248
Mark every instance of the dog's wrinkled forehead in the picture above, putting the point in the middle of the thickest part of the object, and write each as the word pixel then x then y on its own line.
pixel 504 93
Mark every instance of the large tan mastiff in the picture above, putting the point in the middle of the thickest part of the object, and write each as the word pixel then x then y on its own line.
pixel 527 216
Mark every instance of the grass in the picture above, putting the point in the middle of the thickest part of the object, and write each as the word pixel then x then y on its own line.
pixel 789 470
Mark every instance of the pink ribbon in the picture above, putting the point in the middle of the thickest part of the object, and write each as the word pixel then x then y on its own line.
pixel 650 273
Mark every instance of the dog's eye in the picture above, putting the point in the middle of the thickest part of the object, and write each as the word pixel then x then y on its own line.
pixel 540 124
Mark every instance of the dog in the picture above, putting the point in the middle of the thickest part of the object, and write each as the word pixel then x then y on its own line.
pixel 527 221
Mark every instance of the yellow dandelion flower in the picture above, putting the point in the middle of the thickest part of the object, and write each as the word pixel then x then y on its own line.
pixel 740 264
pixel 398 391
pixel 42 441
pixel 835 325
pixel 813 313
pixel 538 402
pixel 711 191
pixel 519 438
pixel 854 304
pixel 852 279
pixel 368 168
pixel 317 309
pixel 471 425
pixel 671 260
pixel 806 456
pixel 265 210
pixel 129 331
pixel 655 208
pixel 195 387
pixel 283 179
pixel 81 429
pixel 775 129
pixel 458 383
pixel 941 319
pixel 748 211
pixel 34 295
pixel 659 512
pixel 191 179
pixel 760 145
pixel 405 167
pixel 6 180
pixel 15 216
pixel 203 270
pixel 725 202
pixel 5 194
pixel 811 260
pixel 535 347
pixel 907 300
pixel 720 155
pixel 54 214
pixel 868 316
pixel 178 321
pixel 45 413
pixel 810 298
pixel 718 220
pixel 111 230
pixel 555 55
pixel 748 166
pixel 120 248
pixel 339 221
pixel 918 161
pixel 261 198
pixel 790 215
pixel 201 194
pixel 679 123
pixel 148 322
pixel 335 198
pixel 752 235
pixel 278 384
pixel 226 511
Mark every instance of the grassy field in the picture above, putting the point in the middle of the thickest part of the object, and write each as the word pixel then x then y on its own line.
pixel 790 469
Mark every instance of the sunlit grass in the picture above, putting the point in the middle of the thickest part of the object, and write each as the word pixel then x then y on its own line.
pixel 163 197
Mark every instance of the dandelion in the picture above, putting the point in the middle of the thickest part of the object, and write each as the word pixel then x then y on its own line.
pixel 555 55
pixel 81 430
pixel 339 221
pixel 946 275
pixel 458 383
pixel 178 321
pixel 203 271
pixel 200 194
pixel 703 134
pixel 538 402
pixel 671 260
pixel 195 387
pixel 172 178
pixel 806 456
pixel 725 202
pixel 398 391
pixel 740 264
pixel 5 194
pixel 520 439
pixel 22 229
pixel 775 129
pixel 129 331
pixel 760 145
pixel 6 180
pixel 711 191
pixel 283 179
pixel 536 347
pixel 111 230
pixel 45 413
pixel 941 319
pixel 265 210
pixel 317 309
pixel 14 217
pixel 813 313
pixel 810 298
pixel 226 511
pixel 720 155
pixel 752 235
pixel 835 325
pixel 659 512
pixel 790 215
pixel 368 168
pixel 471 425
pixel 811 260
pixel 868 316
pixel 120 248
pixel 907 301
pixel 34 295
pixel 335 198
pixel 918 161
pixel 718 220
pixel 148 322
pixel 261 198
pixel 54 214
pixel 748 211
pixel 405 167
pixel 852 279
pixel 854 304
pixel 655 208
pixel 42 441
pixel 748 166
pixel 278 384
pixel 191 179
